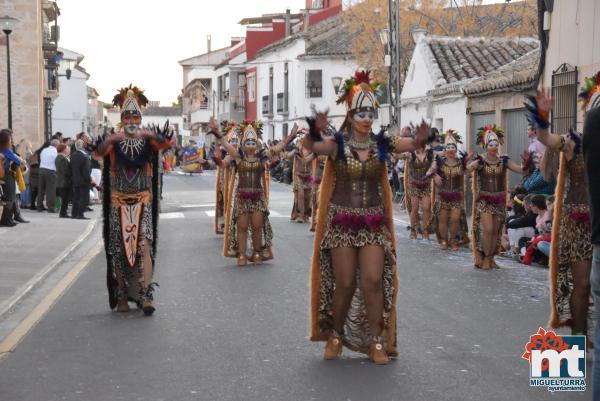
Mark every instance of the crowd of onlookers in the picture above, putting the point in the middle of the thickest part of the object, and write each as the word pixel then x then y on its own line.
pixel 61 173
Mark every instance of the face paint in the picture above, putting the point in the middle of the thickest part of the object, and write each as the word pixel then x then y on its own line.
pixel 493 146
pixel 131 124
pixel 250 143
pixel 364 116
pixel 451 147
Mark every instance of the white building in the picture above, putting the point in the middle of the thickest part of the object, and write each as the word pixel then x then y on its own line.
pixel 442 67
pixel 70 111
pixel 160 115
pixel 299 72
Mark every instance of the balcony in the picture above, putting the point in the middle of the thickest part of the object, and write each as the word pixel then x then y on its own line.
pixel 282 104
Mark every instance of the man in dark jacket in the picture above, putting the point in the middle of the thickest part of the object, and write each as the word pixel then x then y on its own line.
pixel 64 181
pixel 81 166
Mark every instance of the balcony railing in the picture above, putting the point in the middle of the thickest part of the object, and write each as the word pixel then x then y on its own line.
pixel 238 103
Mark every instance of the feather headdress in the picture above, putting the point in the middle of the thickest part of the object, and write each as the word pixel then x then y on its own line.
pixel 130 100
pixel 251 130
pixel 360 91
pixel 450 136
pixel 489 132
pixel 589 97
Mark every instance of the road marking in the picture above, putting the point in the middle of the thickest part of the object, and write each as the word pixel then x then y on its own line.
pixel 15 337
pixel 28 286
pixel 210 213
pixel 174 215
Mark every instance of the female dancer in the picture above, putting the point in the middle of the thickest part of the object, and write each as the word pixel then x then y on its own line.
pixel 248 205
pixel 490 185
pixel 318 165
pixel 223 175
pixel 355 235
pixel 417 181
pixel 449 209
pixel 302 181
pixel 571 251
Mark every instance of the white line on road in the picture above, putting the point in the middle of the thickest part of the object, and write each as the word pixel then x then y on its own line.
pixel 174 215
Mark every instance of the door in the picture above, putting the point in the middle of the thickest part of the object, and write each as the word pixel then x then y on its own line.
pixel 515 140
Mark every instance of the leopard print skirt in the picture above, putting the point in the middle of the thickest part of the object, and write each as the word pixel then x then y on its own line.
pixel 574 245
pixel 356 329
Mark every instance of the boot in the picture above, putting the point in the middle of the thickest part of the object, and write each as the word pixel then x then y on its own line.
pixel 377 352
pixel 257 258
pixel 333 348
pixel 122 305
pixel 444 246
pixel 242 260
pixel 486 263
pixel 147 307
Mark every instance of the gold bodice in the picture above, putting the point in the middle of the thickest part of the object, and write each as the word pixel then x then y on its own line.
pixel 358 184
pixel 418 168
pixel 453 177
pixel 491 176
pixel 301 167
pixel 576 185
pixel 250 175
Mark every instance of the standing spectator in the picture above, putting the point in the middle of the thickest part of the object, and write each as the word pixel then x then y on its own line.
pixel 534 143
pixel 96 180
pixel 34 178
pixel 64 182
pixel 25 151
pixel 11 163
pixel 81 168
pixel 47 183
pixel 591 150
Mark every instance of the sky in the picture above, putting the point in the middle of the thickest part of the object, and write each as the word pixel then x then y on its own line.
pixel 141 41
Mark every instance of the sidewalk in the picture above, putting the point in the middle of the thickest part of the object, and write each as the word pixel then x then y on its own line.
pixel 31 251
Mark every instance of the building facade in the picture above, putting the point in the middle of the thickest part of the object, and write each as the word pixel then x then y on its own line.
pixel 34 83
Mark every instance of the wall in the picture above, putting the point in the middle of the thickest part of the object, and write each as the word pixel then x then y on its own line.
pixel 70 111
pixel 27 71
pixel 418 81
pixel 574 39
pixel 176 122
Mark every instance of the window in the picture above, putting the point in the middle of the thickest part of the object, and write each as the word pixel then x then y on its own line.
pixel 271 90
pixel 251 83
pixel 564 92
pixel 284 130
pixel 265 106
pixel 282 103
pixel 314 83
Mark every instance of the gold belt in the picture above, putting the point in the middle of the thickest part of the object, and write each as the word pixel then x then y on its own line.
pixel 121 199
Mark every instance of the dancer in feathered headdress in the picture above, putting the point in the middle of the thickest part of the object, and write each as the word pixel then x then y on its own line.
pixel 571 250
pixel 131 196
pixel 355 224
pixel 248 208
pixel 225 170
pixel 490 186
pixel 448 170
pixel 301 160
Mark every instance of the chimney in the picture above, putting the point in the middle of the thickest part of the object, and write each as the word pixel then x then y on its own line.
pixel 288 23
pixel 235 40
pixel 306 22
pixel 418 33
pixel 208 43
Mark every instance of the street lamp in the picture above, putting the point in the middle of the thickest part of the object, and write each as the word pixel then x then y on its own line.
pixel 384 36
pixel 8 24
pixel 337 82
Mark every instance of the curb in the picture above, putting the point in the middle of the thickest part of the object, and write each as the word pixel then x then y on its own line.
pixel 32 283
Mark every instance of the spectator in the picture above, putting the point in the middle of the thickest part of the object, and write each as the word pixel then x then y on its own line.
pixel 64 182
pixel 535 145
pixel 11 162
pixel 539 207
pixel 521 225
pixel 25 151
pixel 34 178
pixel 81 172
pixel 47 180
pixel 535 183
pixel 97 180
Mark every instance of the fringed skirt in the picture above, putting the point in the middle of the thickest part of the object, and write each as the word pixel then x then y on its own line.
pixel 249 203
pixel 419 189
pixel 355 227
pixel 574 245
pixel 450 201
pixel 493 203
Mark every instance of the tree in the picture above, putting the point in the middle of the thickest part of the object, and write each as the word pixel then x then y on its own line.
pixel 365 21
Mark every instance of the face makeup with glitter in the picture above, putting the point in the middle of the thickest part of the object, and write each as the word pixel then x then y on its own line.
pixel 493 146
pixel 131 124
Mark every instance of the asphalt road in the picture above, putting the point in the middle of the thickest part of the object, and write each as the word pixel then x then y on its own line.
pixel 227 333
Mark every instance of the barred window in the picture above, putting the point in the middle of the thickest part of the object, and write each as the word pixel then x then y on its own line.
pixel 564 92
pixel 314 83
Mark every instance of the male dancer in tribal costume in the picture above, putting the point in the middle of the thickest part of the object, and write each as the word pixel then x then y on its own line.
pixel 302 181
pixel 131 203
pixel 490 186
pixel 223 175
pixel 355 230
pixel 248 205
pixel 448 172
pixel 571 251
pixel 417 181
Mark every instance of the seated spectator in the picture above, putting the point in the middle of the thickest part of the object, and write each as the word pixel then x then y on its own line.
pixel 539 207
pixel 535 183
pixel 519 225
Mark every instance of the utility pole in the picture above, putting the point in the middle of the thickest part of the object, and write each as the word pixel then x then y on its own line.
pixel 395 85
